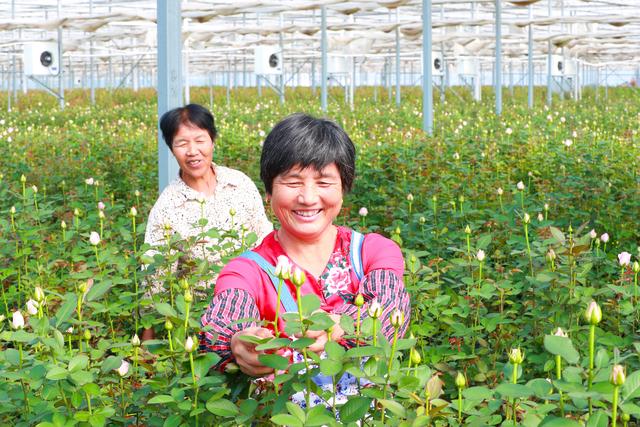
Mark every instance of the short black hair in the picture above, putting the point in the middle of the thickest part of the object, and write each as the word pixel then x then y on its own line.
pixel 302 140
pixel 193 115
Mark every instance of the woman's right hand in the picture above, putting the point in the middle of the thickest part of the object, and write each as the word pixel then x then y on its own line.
pixel 245 352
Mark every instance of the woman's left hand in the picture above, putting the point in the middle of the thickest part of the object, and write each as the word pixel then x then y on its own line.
pixel 322 337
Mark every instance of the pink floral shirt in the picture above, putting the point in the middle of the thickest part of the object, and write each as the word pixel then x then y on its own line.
pixel 243 290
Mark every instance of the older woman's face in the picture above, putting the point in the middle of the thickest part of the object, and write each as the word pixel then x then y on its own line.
pixel 193 149
pixel 306 201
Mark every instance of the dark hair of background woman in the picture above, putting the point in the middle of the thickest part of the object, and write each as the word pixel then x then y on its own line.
pixel 190 115
pixel 303 140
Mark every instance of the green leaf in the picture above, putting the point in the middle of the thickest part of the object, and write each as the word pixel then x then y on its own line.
pixel 631 387
pixel 12 356
pixel 67 308
pixel 541 387
pixel 203 363
pixel 98 290
pixel 477 393
pixel 111 363
pixel 310 303
pixel 253 340
pixel 551 421
pixel 301 343
pixel 394 407
pixel 295 410
pixel 598 419
pixel 483 241
pixel 366 351
pixel 78 363
pixel 330 367
pixel 92 389
pixel 334 350
pixel 274 361
pixel 286 420
pixel 222 408
pixel 57 373
pixel 160 399
pixel 274 343
pixel 355 409
pixel 166 309
pixel 514 391
pixel 557 235
pixel 561 346
pixel 22 336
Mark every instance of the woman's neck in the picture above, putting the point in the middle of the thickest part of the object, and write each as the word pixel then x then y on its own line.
pixel 312 255
pixel 205 184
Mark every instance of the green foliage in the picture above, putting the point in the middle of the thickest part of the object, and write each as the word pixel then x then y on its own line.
pixel 62 369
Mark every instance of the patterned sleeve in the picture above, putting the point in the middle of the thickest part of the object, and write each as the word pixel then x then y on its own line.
pixel 226 307
pixel 387 288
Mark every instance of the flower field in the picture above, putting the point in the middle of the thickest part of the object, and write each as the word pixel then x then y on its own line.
pixel 521 242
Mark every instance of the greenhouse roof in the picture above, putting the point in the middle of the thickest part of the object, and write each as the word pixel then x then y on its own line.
pixel 215 32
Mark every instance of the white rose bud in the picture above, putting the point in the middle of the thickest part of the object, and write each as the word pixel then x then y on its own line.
pixel 593 234
pixel 298 277
pixel 604 237
pixel 396 318
pixel 38 294
pixel 135 341
pixel 133 212
pixel 17 321
pixel 283 268
pixel 624 258
pixel 94 238
pixel 520 185
pixel 124 368
pixel 516 356
pixel 617 375
pixel 480 255
pixel 500 191
pixel 375 309
pixel 560 333
pixel 190 344
pixel 593 314
pixel 526 218
pixel 32 307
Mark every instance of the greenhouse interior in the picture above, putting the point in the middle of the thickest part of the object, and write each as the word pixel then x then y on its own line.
pixel 320 213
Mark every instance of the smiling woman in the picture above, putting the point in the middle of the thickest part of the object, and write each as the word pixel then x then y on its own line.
pixel 226 198
pixel 307 165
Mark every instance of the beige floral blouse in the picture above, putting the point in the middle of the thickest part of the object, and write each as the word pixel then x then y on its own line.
pixel 180 208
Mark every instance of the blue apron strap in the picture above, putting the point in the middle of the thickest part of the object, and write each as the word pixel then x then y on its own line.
pixel 286 299
pixel 355 253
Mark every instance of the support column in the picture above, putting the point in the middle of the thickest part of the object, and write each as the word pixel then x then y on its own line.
pixel 549 65
pixel 427 87
pixel 498 67
pixel 61 73
pixel 323 49
pixel 530 60
pixel 398 98
pixel 169 79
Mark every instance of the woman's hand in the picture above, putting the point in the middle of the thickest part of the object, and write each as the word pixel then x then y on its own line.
pixel 245 352
pixel 322 337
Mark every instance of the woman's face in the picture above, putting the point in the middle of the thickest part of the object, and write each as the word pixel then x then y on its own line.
pixel 193 149
pixel 306 201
